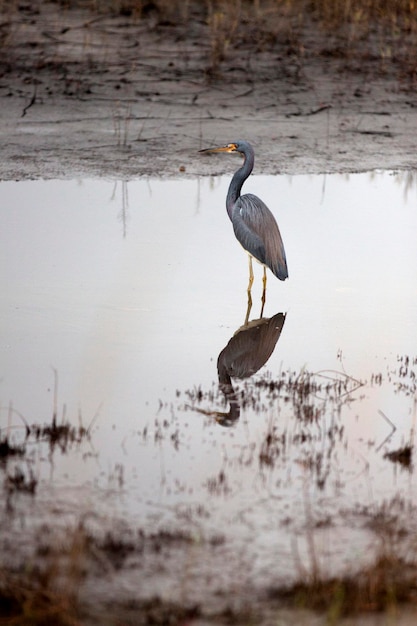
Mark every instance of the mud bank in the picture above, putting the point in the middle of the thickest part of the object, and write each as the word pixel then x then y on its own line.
pixel 85 95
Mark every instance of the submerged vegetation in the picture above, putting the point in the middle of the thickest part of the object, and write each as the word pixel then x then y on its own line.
pixel 305 430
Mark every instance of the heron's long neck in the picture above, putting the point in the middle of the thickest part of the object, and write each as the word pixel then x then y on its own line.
pixel 237 181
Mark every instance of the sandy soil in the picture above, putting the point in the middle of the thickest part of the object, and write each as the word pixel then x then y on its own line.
pixel 85 95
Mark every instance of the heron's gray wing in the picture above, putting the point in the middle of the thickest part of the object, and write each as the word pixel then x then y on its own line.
pixel 257 231
pixel 245 232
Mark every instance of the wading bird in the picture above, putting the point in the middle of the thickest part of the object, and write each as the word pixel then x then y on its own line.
pixel 255 227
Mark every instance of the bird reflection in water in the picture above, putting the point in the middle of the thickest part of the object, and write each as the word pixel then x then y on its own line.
pixel 247 351
pixel 257 231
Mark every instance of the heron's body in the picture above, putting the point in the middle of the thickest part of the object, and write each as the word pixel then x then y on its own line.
pixel 254 225
pixel 247 214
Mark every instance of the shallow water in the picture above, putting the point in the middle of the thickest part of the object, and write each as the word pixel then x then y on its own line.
pixel 130 291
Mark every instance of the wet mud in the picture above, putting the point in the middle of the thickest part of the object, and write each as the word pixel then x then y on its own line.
pixel 88 95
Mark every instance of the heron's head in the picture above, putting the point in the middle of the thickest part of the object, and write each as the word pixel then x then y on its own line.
pixel 231 147
pixel 240 146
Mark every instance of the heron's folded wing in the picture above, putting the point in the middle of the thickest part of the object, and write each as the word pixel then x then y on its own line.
pixel 257 231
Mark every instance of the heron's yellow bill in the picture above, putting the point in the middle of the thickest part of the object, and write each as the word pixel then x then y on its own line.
pixel 231 147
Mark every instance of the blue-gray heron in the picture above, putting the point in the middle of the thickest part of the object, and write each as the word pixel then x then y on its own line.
pixel 255 227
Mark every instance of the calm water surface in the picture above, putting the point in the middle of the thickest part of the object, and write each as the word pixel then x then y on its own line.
pixel 130 291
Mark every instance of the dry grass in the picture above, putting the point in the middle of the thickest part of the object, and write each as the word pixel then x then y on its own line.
pixel 342 12
pixel 236 29
pixel 47 591
pixel 382 586
pixel 387 582
pixel 226 17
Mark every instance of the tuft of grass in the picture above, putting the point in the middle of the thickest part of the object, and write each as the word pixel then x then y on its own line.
pixel 19 481
pixel 388 581
pixel 44 595
pixel 382 586
pixel 46 590
pixel 340 13
pixel 9 449
pixel 403 456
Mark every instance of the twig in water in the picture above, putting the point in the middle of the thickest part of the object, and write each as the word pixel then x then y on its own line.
pixel 31 103
pixel 393 426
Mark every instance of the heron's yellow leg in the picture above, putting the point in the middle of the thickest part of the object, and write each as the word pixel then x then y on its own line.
pixel 249 290
pixel 263 292
pixel 250 274
pixel 248 309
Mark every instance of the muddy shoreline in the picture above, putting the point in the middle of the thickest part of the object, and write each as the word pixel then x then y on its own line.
pixel 121 98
